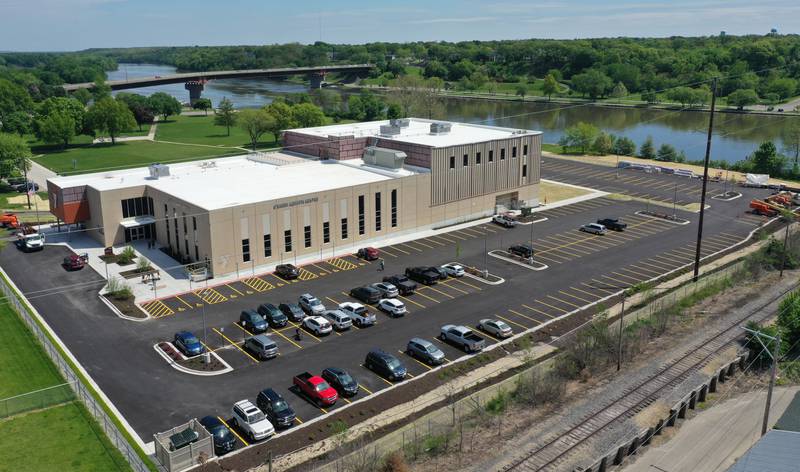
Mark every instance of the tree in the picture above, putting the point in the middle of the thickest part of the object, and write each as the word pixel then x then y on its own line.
pixel 593 83
pixel 766 160
pixel 202 104
pixel 13 99
pixel 550 86
pixel 226 115
pixel 329 100
pixel 667 153
pixel 57 128
pixel 624 146
pixel 408 94
pixel 308 115
pixel 372 105
pixel 649 96
pixel 19 122
pixel 83 96
pixel 791 140
pixel 647 150
pixel 100 90
pixel 111 117
pixel 255 123
pixel 603 143
pixel 783 87
pixel 284 118
pixel 687 96
pixel 522 90
pixel 65 106
pixel 435 69
pixel 619 91
pixel 14 153
pixel 393 111
pixel 580 136
pixel 164 104
pixel 742 98
pixel 789 318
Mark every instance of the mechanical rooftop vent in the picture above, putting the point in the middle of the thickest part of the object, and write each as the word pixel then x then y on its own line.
pixel 440 128
pixel 400 122
pixel 158 170
pixel 390 130
pixel 382 157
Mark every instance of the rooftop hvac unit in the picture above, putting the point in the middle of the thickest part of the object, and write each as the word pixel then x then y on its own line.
pixel 440 128
pixel 390 130
pixel 400 122
pixel 382 157
pixel 158 170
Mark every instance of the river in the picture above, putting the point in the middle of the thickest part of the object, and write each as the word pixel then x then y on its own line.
pixel 735 135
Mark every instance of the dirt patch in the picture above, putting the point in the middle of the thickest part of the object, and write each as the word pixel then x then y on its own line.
pixel 41 203
pixel 126 307
pixel 650 416
pixel 723 358
pixel 551 192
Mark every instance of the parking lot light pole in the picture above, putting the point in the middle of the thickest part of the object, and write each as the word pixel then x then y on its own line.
pixel 675 201
pixel 207 356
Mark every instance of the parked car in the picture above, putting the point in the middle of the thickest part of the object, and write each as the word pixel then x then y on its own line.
pixel 393 307
pixel 454 270
pixel 385 365
pixel 387 290
pixel 343 382
pixel 403 284
pixel 317 325
pixel 252 321
pixel 188 343
pixel 272 315
pixel 292 311
pixel 522 250
pixel 366 294
pixel 593 228
pixel 496 328
pixel 423 275
pixel 368 253
pixel 22 188
pixel 614 224
pixel 287 271
pixel 276 408
pixel 311 304
pixel 504 220
pixel 224 441
pixel 252 421
pixel 438 270
pixel 316 389
pixel 462 337
pixel 339 319
pixel 262 346
pixel 73 262
pixel 425 351
pixel 358 313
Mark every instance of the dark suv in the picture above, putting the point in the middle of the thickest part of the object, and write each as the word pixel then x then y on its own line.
pixel 522 250
pixel 273 315
pixel 293 311
pixel 280 414
pixel 403 284
pixel 287 271
pixel 422 275
pixel 366 294
pixel 252 321
pixel 385 365
pixel 614 224
pixel 339 379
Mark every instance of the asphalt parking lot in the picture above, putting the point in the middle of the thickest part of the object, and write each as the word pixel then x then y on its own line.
pixel 583 268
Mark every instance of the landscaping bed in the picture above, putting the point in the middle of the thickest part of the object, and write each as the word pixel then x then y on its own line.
pixel 663 216
pixel 727 196
pixel 193 363
pixel 125 306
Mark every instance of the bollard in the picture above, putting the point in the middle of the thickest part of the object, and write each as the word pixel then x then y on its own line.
pixel 692 399
pixel 682 411
pixel 603 465
pixel 672 415
pixel 703 393
pixel 650 433
pixel 634 446
pixel 620 454
pixel 659 427
pixel 712 386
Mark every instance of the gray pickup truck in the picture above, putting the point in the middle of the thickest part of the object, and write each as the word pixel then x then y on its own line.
pixel 358 313
pixel 462 337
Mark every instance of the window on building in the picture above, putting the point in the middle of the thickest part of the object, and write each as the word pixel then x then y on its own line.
pixel 139 206
pixel 378 222
pixel 186 247
pixel 525 170
pixel 478 158
pixel 513 151
pixel 194 223
pixel 246 250
pixel 166 221
pixel 394 208
pixel 344 228
pixel 524 149
pixel 502 154
pixel 466 160
pixel 287 241
pixel 196 253
pixel 185 231
pixel 307 236
pixel 362 226
pixel 326 232
pixel 267 245
pixel 452 162
pixel 177 236
pixel 491 155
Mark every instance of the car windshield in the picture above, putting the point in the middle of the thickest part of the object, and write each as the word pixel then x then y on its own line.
pixel 255 416
pixel 431 348
pixel 190 339
pixel 280 406
pixel 393 363
pixel 322 386
pixel 345 378
pixel 502 325
pixel 314 302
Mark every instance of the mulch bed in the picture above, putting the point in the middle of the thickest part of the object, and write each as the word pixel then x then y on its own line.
pixel 194 363
pixel 663 216
pixel 133 273
pixel 126 307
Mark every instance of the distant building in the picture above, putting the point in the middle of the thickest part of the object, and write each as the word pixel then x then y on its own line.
pixel 331 187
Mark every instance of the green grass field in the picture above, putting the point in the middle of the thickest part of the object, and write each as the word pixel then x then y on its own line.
pixel 63 437
pixel 125 155
pixel 201 130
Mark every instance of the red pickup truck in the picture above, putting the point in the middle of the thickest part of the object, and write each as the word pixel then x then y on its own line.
pixel 316 388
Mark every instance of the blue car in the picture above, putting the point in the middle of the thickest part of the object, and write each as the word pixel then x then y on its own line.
pixel 188 343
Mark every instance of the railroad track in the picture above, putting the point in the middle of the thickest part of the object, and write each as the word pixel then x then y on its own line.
pixel 551 453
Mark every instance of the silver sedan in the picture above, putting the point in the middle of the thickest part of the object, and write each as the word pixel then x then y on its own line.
pixel 496 328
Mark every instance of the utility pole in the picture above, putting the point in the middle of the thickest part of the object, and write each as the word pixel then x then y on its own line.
pixel 207 356
pixel 705 180
pixel 621 325
pixel 27 184
pixel 785 241
pixel 675 201
pixel 773 371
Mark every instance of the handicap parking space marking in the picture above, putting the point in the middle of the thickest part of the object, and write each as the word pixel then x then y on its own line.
pixel 233 431
pixel 279 281
pixel 238 292
pixel 236 345
pixel 157 309
pixel 258 284
pixel 305 274
pixel 210 296
pixel 189 306
pixel 176 305
pixel 341 264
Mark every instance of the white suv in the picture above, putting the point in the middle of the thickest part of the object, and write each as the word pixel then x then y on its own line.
pixel 317 325
pixel 392 306
pixel 251 420
pixel 339 319
pixel 311 304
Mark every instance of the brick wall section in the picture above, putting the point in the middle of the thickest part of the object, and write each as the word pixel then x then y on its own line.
pixel 417 154
pixel 350 147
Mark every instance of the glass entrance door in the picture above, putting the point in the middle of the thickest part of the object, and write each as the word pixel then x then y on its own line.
pixel 138 233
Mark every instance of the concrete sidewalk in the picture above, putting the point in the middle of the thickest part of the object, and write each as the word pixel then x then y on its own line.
pixel 716 437
pixel 40 174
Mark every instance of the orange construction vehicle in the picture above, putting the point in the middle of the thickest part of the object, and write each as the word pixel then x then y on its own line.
pixel 9 220
pixel 782 199
pixel 760 207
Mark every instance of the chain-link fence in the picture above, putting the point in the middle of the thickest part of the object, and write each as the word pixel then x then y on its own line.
pixel 36 400
pixel 73 382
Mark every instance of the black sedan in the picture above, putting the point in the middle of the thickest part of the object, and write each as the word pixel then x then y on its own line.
pixel 340 380
pixel 292 311
pixel 287 271
pixel 223 438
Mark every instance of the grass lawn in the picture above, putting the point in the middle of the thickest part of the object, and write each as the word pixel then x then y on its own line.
pixel 202 130
pixel 125 155
pixel 59 438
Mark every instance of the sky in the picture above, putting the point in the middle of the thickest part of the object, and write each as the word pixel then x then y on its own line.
pixel 59 25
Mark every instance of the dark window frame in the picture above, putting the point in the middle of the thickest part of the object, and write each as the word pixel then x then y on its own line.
pixel 326 232
pixel 513 152
pixel 477 158
pixel 245 249
pixel 378 219
pixel 524 149
pixel 394 208
pixel 502 154
pixel 287 240
pixel 344 228
pixel 267 245
pixel 307 236
pixel 491 155
pixel 465 160
pixel 362 224
pixel 452 162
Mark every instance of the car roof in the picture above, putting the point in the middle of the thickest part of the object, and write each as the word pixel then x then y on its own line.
pixel 424 342
pixel 183 333
pixel 307 295
pixel 335 370
pixel 210 421
pixel 264 339
pixel 271 394
pixel 380 353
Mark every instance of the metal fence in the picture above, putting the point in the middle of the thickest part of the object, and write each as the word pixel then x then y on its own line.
pixel 38 399
pixel 73 380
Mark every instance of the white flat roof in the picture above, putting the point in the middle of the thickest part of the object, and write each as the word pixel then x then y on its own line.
pixel 226 182
pixel 418 132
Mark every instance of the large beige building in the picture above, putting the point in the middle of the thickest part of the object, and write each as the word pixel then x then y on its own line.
pixel 331 187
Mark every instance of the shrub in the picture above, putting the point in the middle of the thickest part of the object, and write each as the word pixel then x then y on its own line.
pixel 143 265
pixel 119 290
pixel 395 462
pixel 126 256
pixel 498 403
